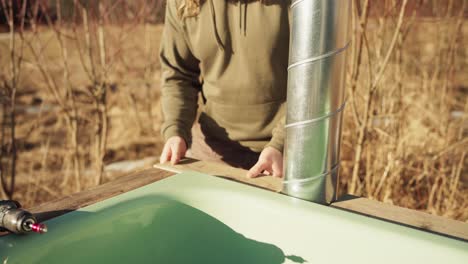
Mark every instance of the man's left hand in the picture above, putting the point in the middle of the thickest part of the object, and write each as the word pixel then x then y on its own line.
pixel 270 162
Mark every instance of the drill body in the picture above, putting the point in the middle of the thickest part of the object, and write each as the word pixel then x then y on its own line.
pixel 16 220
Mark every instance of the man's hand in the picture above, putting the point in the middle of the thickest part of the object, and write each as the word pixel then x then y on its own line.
pixel 173 150
pixel 270 161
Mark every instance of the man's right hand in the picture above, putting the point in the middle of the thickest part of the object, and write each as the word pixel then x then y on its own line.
pixel 174 150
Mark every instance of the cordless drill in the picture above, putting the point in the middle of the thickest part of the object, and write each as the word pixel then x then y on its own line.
pixel 18 221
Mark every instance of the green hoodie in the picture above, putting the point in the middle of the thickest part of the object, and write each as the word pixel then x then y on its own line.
pixel 235 53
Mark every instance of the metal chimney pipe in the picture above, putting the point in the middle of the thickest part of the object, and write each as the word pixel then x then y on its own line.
pixel 316 75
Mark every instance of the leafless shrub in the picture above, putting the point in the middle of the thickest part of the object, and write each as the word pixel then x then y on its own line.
pixel 9 84
pixel 72 52
pixel 399 120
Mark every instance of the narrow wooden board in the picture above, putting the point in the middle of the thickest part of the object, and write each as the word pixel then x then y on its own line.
pixel 78 200
pixel 412 218
pixel 371 208
pixel 224 171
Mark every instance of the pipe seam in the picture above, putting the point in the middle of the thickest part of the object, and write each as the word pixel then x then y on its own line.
pixel 323 56
pixel 313 177
pixel 310 121
pixel 295 3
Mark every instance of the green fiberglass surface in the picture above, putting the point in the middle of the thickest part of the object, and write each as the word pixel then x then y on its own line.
pixel 196 218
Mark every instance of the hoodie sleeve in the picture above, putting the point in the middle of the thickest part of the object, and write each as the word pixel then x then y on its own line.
pixel 180 78
pixel 278 133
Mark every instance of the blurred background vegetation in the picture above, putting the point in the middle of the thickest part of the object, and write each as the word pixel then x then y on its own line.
pixel 79 94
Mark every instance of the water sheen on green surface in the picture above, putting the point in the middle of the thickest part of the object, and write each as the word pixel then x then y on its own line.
pixel 150 229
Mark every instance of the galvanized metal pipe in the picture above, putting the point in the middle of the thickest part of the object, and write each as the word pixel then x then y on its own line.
pixel 316 75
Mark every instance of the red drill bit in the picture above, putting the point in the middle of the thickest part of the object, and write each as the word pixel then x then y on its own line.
pixel 39 228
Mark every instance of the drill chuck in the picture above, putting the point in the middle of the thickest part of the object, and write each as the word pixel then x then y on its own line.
pixel 16 220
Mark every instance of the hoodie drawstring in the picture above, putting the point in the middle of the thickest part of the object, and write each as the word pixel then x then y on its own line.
pixel 242 21
pixel 245 17
pixel 213 20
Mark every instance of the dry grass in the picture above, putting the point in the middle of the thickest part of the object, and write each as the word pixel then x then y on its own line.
pixel 404 138
pixel 405 129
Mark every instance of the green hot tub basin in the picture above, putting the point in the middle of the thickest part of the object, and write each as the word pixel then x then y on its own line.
pixel 196 218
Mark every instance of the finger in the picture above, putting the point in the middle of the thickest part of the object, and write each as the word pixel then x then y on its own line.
pixel 166 154
pixel 277 170
pixel 181 151
pixel 257 169
pixel 175 149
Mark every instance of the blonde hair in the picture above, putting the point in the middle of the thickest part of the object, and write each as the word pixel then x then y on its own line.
pixel 189 8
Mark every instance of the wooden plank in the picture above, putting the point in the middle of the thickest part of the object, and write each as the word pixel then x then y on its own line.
pixel 411 218
pixel 224 171
pixel 78 200
pixel 371 208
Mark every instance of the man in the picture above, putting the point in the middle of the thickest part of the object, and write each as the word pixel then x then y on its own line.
pixel 235 54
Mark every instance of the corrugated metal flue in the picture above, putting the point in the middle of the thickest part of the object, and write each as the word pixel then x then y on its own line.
pixel 316 76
